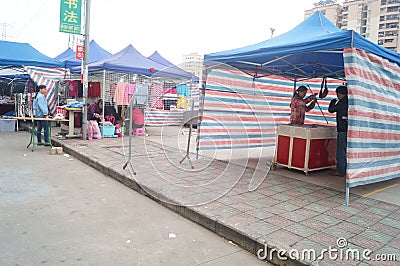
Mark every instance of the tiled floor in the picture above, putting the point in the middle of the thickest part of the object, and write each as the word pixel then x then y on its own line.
pixel 283 212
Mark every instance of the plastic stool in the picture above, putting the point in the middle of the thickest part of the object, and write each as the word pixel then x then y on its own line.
pixel 139 131
pixel 110 118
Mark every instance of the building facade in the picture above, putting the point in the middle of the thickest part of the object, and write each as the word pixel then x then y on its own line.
pixel 376 20
pixel 193 63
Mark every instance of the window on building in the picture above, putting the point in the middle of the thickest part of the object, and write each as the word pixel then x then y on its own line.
pixel 383 9
pixel 393 2
pixel 393 9
pixel 392 17
pixel 382 18
pixel 391 33
pixel 381 34
pixel 394 25
pixel 383 2
pixel 388 40
pixel 380 42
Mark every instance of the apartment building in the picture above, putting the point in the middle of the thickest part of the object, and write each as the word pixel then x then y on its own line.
pixel 376 20
pixel 193 63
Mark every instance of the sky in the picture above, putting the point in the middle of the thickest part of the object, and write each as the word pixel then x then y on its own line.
pixel 171 27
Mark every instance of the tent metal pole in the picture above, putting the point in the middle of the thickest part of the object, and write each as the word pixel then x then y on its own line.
pixel 103 94
pixel 130 135
pixel 347 194
pixel 190 135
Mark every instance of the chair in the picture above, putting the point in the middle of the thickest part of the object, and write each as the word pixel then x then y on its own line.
pixel 110 118
pixel 139 131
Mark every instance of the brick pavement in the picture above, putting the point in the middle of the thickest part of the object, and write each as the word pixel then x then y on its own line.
pixel 282 213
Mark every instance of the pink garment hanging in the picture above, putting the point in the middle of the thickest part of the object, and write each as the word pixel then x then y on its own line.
pixel 156 96
pixel 119 96
pixel 170 91
pixel 129 90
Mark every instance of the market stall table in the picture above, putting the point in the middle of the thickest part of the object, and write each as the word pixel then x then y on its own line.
pixel 71 123
pixel 33 119
pixel 306 148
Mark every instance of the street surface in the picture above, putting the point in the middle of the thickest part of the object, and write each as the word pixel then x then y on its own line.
pixel 55 210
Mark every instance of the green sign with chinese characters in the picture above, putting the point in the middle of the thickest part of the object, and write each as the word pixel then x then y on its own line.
pixel 70 16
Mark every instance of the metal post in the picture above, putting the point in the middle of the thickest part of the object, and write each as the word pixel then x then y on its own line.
pixel 103 96
pixel 189 137
pixel 130 107
pixel 85 69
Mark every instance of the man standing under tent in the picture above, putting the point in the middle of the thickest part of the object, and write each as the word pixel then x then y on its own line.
pixel 41 111
pixel 341 109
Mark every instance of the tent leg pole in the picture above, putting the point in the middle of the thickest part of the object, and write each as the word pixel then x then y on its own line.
pixel 347 195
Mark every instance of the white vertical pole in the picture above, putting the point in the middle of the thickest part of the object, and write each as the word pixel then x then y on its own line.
pixel 85 69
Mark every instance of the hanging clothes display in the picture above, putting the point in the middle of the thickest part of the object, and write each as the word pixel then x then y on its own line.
pixel 94 89
pixel 141 94
pixel 156 96
pixel 183 96
pixel 129 90
pixel 73 88
pixel 119 96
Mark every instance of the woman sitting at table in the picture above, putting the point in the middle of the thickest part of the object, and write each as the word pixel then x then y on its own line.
pixel 95 111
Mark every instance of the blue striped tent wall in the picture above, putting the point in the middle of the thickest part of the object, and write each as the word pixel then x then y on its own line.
pixel 373 149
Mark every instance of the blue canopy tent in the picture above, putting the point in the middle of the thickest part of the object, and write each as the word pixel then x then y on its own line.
pixel 14 54
pixel 23 55
pixel 130 61
pixel 314 49
pixel 161 60
pixel 96 53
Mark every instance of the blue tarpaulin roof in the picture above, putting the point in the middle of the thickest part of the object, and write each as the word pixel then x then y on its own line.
pixel 161 60
pixel 14 54
pixel 312 49
pixel 129 60
pixel 96 53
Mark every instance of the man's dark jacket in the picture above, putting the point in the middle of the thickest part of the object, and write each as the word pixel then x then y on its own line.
pixel 341 108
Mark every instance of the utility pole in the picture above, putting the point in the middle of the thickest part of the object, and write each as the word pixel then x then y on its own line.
pixel 85 69
pixel 272 32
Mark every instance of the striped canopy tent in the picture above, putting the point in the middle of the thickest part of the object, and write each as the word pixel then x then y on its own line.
pixel 314 49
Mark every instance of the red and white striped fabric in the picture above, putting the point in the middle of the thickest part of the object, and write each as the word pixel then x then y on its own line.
pixel 373 146
pixel 238 112
pixel 48 77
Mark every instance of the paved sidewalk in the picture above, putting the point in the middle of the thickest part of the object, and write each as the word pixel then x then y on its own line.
pixel 282 213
